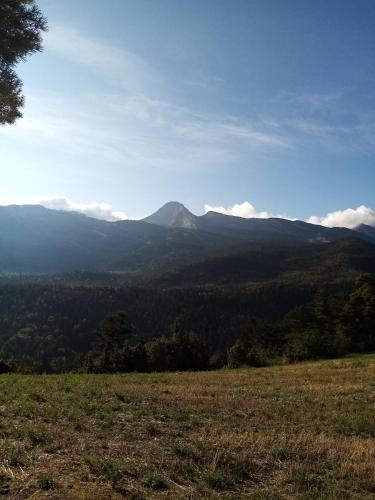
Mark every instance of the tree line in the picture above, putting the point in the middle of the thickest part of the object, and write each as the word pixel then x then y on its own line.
pixel 328 326
pixel 46 326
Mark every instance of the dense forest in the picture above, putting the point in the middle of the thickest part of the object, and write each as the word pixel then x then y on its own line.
pixel 54 327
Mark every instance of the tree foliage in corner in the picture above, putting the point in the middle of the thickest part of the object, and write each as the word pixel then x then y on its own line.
pixel 21 25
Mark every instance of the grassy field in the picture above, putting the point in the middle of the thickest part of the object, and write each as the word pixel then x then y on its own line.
pixel 298 431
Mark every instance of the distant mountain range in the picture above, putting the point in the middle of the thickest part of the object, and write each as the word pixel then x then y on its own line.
pixel 174 214
pixel 34 239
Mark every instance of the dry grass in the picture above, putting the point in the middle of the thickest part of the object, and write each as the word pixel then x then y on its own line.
pixel 299 431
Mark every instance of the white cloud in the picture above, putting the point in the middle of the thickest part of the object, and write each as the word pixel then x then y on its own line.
pixel 332 120
pixel 134 122
pixel 121 67
pixel 138 131
pixel 350 218
pixel 227 131
pixel 324 118
pixel 356 137
pixel 205 82
pixel 245 210
pixel 102 211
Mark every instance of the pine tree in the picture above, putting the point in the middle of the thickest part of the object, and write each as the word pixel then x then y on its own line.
pixel 21 26
pixel 111 344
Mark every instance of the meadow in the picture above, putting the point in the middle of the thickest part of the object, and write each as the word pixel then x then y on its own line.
pixel 293 431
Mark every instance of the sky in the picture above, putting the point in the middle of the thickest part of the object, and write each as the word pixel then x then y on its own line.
pixel 249 107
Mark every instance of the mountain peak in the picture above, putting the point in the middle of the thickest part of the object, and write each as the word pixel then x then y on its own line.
pixel 174 205
pixel 173 214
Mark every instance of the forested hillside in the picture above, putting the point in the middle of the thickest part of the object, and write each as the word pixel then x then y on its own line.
pixel 245 291
pixel 52 327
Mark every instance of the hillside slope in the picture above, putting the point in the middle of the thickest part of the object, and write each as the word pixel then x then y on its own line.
pixel 333 262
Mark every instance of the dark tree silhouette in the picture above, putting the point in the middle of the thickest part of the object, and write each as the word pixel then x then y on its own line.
pixel 111 349
pixel 21 26
pixel 358 316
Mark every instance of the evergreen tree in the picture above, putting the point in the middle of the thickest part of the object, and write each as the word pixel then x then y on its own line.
pixel 313 332
pixel 21 25
pixel 255 346
pixel 358 318
pixel 190 351
pixel 111 346
pixel 180 351
pixel 160 354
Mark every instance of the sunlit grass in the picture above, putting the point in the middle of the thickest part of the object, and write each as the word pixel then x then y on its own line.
pixel 296 431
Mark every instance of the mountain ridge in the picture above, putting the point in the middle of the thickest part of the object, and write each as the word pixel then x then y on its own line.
pixel 253 229
pixel 37 239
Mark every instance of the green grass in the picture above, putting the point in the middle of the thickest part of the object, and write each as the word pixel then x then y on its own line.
pixel 297 431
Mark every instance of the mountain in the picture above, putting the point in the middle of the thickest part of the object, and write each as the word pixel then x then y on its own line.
pixel 34 239
pixel 271 230
pixel 367 231
pixel 173 214
pixel 276 230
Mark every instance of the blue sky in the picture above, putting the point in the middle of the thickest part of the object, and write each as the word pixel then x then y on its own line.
pixel 213 103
